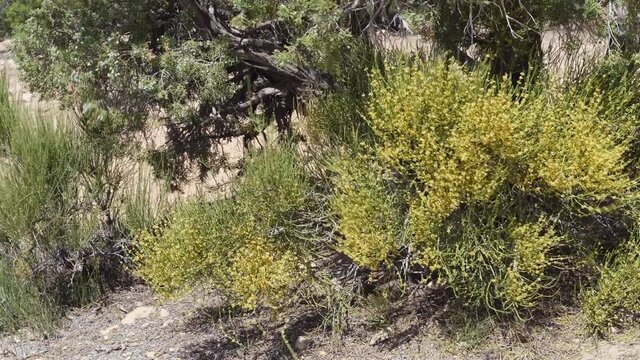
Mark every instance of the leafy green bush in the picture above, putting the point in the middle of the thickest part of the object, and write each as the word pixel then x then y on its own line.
pixel 17 12
pixel 248 245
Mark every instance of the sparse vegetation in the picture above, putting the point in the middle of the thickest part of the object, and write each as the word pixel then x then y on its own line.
pixel 473 175
pixel 60 244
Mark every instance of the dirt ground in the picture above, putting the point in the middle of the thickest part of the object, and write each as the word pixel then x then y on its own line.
pixel 135 324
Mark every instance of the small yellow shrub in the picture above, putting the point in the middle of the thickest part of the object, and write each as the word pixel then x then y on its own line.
pixel 367 215
pixel 245 245
pixel 616 299
pixel 194 246
pixel 463 138
pixel 262 271
pixel 531 260
pixel 532 243
pixel 577 154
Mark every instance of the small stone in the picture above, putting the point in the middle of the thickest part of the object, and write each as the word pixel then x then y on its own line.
pixel 141 312
pixel 164 313
pixel 303 343
pixel 150 355
pixel 322 353
pixel 381 336
pixel 167 323
pixel 173 349
pixel 108 330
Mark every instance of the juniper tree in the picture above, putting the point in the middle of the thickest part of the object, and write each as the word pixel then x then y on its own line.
pixel 203 67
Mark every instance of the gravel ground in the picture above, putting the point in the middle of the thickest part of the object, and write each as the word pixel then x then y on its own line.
pixel 131 324
pixel 135 324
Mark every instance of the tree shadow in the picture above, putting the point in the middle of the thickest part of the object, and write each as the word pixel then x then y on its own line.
pixel 420 310
pixel 208 317
pixel 234 333
pixel 237 333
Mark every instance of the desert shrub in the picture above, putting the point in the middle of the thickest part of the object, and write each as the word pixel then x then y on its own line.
pixel 273 186
pixel 246 245
pixel 494 261
pixel 500 181
pixel 16 12
pixel 264 271
pixel 38 180
pixel 337 117
pixel 56 229
pixel 368 215
pixel 616 299
pixel 195 245
pixel 617 79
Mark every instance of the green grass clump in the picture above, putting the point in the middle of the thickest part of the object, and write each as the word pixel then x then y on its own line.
pixel 46 214
pixel 21 305
pixel 143 203
pixel 38 181
pixel 245 245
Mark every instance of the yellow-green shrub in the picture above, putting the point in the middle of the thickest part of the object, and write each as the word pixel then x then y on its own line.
pixel 530 260
pixel 263 271
pixel 462 138
pixel 274 186
pixel 492 259
pixel 368 219
pixel 616 300
pixel 244 245
pixel 195 245
pixel 486 163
